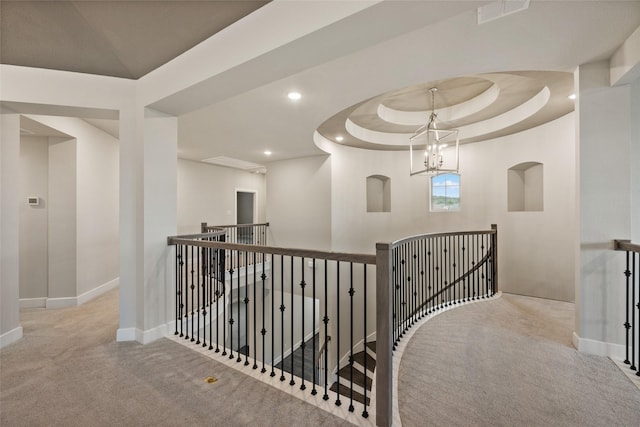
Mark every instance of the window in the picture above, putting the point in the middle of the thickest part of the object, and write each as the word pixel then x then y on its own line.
pixel 445 192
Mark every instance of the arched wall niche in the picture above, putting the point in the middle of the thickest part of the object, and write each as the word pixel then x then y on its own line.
pixel 525 192
pixel 378 193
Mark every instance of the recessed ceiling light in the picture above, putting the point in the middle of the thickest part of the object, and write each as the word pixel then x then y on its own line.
pixel 339 138
pixel 267 153
pixel 572 96
pixel 294 96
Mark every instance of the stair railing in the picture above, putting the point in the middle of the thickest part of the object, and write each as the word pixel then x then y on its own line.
pixel 223 286
pixel 632 302
pixel 420 275
pixel 248 234
pixel 255 304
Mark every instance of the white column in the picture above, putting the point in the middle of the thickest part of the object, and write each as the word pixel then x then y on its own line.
pixel 604 140
pixel 160 221
pixel 148 215
pixel 10 329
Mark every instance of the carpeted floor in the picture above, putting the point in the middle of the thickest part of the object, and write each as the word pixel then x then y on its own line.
pixel 68 371
pixel 504 362
pixel 510 362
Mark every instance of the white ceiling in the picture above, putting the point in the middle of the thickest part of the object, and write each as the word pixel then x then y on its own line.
pixel 386 47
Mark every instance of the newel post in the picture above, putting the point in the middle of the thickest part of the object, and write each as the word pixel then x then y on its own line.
pixel 203 227
pixel 384 336
pixel 494 245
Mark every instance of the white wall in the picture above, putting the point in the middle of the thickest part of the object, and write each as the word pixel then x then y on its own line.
pixel 207 193
pixel 299 203
pixel 62 240
pixel 34 181
pixel 97 207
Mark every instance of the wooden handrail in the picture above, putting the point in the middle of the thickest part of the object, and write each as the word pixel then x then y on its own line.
pixel 204 225
pixel 626 245
pixel 450 233
pixel 306 253
pixel 476 267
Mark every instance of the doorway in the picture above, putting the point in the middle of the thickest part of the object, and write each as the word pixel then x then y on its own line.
pixel 245 214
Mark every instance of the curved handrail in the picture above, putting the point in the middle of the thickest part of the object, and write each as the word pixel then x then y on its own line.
pixel 468 273
pixel 404 240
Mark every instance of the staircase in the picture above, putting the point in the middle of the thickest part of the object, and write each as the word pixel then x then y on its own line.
pixel 360 380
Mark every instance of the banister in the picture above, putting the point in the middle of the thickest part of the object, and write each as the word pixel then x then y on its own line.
pixel 205 226
pixel 435 235
pixel 305 253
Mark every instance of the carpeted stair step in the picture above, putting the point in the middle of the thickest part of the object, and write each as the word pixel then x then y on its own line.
pixel 371 349
pixel 359 379
pixel 346 392
pixel 359 358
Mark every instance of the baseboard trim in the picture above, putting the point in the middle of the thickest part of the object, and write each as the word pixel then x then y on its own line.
pixel 33 302
pixel 138 335
pixel 65 302
pixel 126 334
pixel 10 337
pixel 150 335
pixel 599 348
pixel 96 292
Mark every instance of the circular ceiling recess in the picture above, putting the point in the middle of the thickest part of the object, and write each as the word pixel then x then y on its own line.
pixel 481 107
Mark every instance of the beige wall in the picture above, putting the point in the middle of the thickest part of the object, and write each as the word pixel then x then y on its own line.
pixel 34 182
pixel 536 248
pixel 299 203
pixel 206 193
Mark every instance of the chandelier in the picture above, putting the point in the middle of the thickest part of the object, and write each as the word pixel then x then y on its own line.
pixel 432 148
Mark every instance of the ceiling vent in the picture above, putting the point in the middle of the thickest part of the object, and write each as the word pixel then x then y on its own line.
pixel 234 163
pixel 500 9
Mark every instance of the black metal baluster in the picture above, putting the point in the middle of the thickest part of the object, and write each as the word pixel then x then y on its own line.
pixel 204 296
pixel 636 299
pixel 282 308
pixel 246 309
pixel 179 289
pixel 303 345
pixel 255 315
pixel 403 284
pixel 239 354
pixel 365 414
pixel 414 283
pixel 429 262
pixel 231 320
pixel 627 325
pixel 273 315
pixel 447 270
pixel 438 255
pixel 292 381
pixel 325 320
pixel 633 314
pixel 192 287
pixel 263 331
pixel 313 328
pixel 198 298
pixel 351 293
pixel 338 402
pixel 212 266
